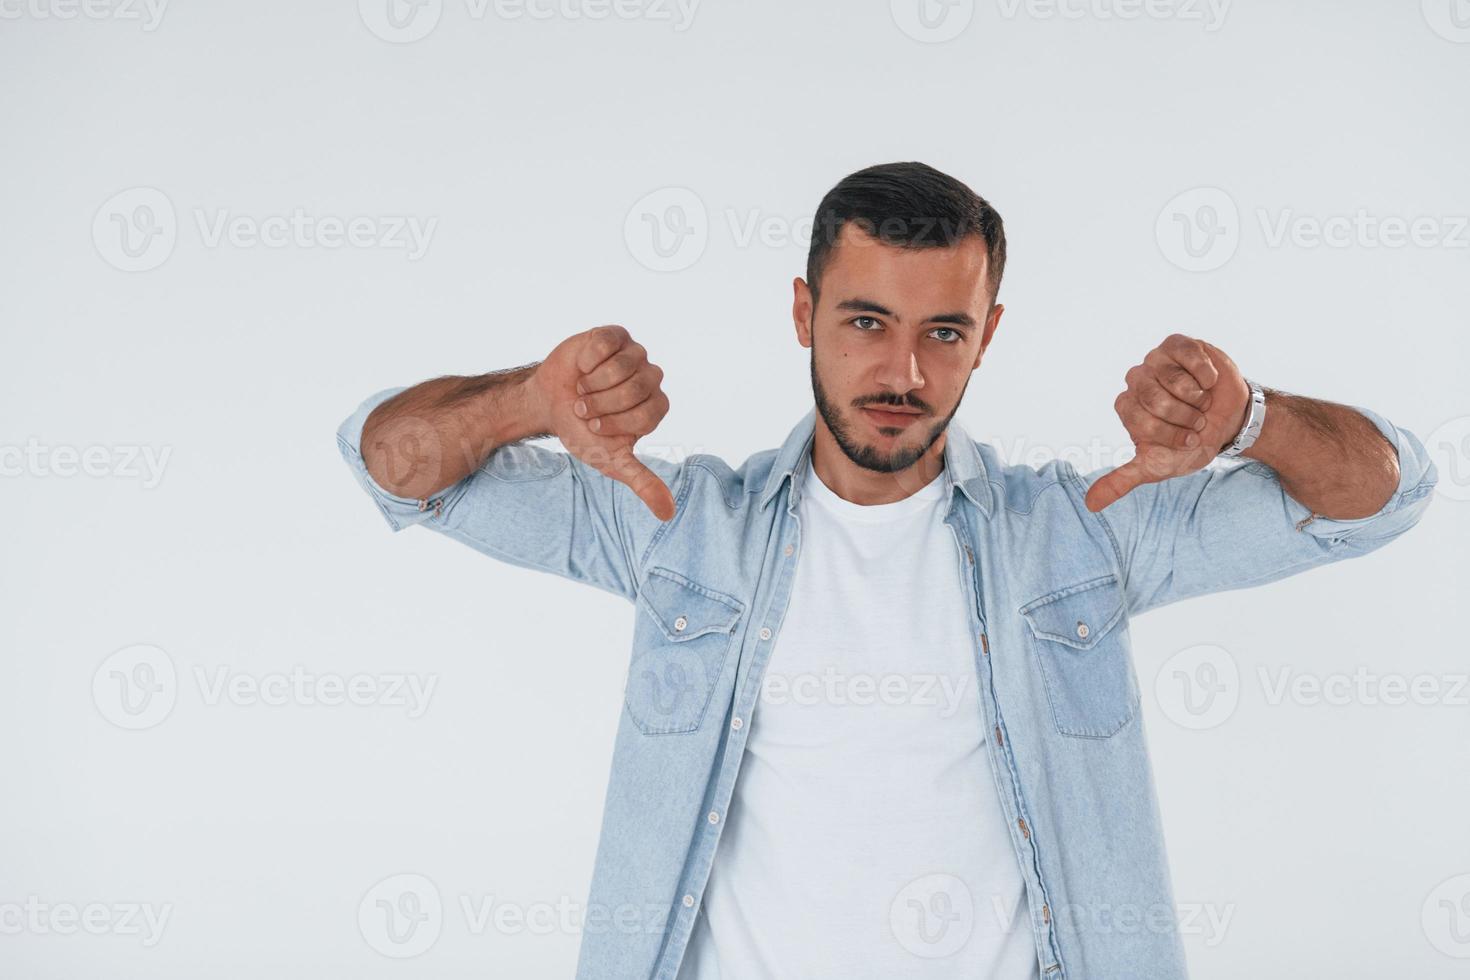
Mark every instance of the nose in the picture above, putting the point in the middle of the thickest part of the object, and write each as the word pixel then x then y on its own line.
pixel 899 370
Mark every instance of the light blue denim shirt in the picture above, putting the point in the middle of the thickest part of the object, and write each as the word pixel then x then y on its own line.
pixel 1052 589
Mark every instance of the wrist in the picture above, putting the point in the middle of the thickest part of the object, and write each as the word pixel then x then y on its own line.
pixel 1265 443
pixel 516 406
pixel 1251 423
pixel 1241 419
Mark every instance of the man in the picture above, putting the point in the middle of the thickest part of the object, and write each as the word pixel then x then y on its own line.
pixel 881 718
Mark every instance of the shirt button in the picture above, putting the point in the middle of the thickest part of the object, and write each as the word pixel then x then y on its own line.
pixel 689 901
pixel 714 817
pixel 680 623
pixel 1082 630
pixel 737 724
pixel 789 551
pixel 765 632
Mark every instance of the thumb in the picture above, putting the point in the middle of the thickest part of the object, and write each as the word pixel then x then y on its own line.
pixel 1117 484
pixel 630 470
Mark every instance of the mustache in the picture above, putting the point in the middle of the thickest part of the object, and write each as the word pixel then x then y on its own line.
pixel 880 401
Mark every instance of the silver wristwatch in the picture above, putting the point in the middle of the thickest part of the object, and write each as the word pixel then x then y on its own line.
pixel 1254 419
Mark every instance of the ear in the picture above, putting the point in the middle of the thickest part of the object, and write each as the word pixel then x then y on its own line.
pixel 801 311
pixel 991 323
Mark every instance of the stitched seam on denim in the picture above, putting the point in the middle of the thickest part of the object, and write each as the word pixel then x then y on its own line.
pixel 1075 731
pixel 683 478
pixel 1031 503
pixel 729 602
pixel 1102 521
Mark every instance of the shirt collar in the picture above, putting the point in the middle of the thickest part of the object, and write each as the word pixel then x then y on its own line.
pixel 963 466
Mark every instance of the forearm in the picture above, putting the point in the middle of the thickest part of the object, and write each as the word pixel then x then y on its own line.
pixel 1328 457
pixel 434 434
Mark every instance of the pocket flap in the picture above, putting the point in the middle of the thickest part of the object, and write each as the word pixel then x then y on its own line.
pixel 684 610
pixel 1078 615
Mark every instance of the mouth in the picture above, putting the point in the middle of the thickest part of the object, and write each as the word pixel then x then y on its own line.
pixel 898 418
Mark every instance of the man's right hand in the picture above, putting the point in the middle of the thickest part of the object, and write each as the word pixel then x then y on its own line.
pixel 599 395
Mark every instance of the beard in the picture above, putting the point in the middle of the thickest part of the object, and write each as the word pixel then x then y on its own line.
pixel 868 456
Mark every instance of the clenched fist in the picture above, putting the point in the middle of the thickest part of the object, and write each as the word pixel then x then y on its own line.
pixel 599 395
pixel 1184 404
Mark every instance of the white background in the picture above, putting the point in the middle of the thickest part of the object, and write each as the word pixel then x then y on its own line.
pixel 1331 835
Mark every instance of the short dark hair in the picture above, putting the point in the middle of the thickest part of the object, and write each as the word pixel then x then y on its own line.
pixel 911 205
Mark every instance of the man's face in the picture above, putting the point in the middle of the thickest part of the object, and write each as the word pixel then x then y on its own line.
pixel 894 339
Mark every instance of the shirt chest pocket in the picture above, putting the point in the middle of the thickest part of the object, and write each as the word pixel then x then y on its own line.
pixel 1079 636
pixel 681 639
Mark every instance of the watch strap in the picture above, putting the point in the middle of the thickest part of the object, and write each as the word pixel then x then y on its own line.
pixel 1254 419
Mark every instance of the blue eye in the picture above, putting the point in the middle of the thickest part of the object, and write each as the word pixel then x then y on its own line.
pixel 952 330
pixel 858 319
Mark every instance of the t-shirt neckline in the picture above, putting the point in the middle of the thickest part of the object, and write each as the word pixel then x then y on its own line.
pixel 925 496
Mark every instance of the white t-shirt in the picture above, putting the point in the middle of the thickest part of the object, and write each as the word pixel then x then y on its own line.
pixel 865 837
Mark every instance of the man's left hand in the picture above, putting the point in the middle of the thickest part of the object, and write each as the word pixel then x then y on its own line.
pixel 1184 404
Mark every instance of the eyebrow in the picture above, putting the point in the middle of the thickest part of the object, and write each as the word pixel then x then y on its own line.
pixel 861 305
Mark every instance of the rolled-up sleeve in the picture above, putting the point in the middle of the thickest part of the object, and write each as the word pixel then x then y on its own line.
pixel 399 512
pixel 1234 525
pixel 530 506
pixel 1417 478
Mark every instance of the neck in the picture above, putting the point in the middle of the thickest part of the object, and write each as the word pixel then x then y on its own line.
pixel 854 483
